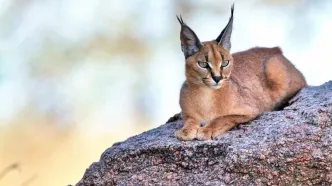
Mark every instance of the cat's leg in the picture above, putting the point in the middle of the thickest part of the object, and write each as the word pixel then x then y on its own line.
pixel 223 124
pixel 220 125
pixel 283 79
pixel 189 129
pixel 278 78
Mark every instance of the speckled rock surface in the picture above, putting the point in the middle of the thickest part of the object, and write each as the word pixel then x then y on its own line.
pixel 288 147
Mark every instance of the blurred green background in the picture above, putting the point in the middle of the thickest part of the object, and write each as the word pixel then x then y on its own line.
pixel 79 75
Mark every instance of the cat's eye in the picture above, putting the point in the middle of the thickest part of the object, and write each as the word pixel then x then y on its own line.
pixel 203 64
pixel 225 63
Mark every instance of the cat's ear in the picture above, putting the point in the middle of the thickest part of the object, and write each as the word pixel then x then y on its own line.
pixel 190 43
pixel 224 39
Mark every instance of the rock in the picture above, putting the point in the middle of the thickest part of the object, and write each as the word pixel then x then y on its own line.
pixel 292 146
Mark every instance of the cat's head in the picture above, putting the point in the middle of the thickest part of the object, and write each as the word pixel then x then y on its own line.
pixel 207 63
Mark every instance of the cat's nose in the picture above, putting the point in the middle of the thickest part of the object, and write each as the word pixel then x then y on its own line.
pixel 216 78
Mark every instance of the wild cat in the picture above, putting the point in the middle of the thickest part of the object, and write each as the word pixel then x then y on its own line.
pixel 223 90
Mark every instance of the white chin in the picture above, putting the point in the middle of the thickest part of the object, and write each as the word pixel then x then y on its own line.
pixel 215 86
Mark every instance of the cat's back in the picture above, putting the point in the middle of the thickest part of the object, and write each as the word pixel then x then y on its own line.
pixel 251 62
pixel 255 55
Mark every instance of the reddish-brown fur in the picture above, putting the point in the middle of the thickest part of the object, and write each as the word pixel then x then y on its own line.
pixel 255 81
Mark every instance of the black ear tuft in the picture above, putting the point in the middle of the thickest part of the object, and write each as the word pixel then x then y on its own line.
pixel 224 39
pixel 180 20
pixel 190 43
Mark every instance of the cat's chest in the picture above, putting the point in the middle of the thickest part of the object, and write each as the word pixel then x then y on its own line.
pixel 205 104
pixel 211 105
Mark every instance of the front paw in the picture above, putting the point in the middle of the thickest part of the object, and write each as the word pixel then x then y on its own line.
pixel 186 134
pixel 206 133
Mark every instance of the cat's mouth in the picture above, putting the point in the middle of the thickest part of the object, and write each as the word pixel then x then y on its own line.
pixel 212 84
